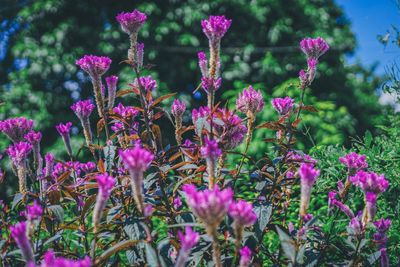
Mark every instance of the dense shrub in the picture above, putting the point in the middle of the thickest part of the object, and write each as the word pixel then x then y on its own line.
pixel 141 202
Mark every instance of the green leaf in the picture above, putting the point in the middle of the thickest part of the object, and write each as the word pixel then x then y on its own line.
pixel 368 139
pixel 17 199
pixel 112 213
pixel 151 256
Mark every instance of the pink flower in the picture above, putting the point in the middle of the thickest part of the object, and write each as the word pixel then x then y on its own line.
pixel 210 205
pixel 370 181
pixel 245 257
pixel 50 259
pixel 250 100
pixel 19 152
pixel 106 184
pixel 125 112
pixel 242 213
pixel 95 66
pixel 131 22
pixel 63 129
pixel 343 207
pixel 19 233
pixel 34 211
pixel 282 105
pixel 232 131
pixel 49 160
pixel 202 112
pixel 300 157
pixel 33 137
pixel 370 205
pixel 210 150
pixel 111 82
pixel 83 109
pixel 356 225
pixel 87 167
pixel 203 63
pixel 188 239
pixel 314 48
pixel 146 82
pixel 16 128
pixel 148 210
pixel 215 27
pixel 210 84
pixel 177 203
pixel 308 176
pixel 382 225
pixel 354 161
pixel 136 159
pixel 178 108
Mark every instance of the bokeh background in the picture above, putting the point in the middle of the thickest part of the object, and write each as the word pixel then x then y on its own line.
pixel 40 41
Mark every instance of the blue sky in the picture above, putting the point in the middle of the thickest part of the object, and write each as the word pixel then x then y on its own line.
pixel 370 18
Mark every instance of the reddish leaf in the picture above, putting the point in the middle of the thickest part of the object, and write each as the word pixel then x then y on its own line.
pixel 272 125
pixel 309 108
pixel 162 98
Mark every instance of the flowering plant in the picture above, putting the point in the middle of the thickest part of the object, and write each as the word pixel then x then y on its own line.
pixel 131 202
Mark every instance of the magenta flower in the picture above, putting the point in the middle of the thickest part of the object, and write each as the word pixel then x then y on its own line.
pixel 242 213
pixel 209 84
pixel 50 259
pixel 63 130
pixel 125 112
pixel 210 150
pixel 33 137
pixel 95 66
pixel 300 157
pixel 356 225
pixel 314 48
pixel 250 100
pixel 370 181
pixel 308 176
pixel 202 112
pixel 210 205
pixel 177 203
pixel 370 205
pixel 139 54
pixel 178 108
pixel 131 22
pixel 187 240
pixel 215 27
pixel 19 233
pixel 343 207
pixel 137 160
pixel 16 128
pixel 49 160
pixel 117 127
pixel 354 161
pixel 146 82
pixel 106 184
pixel 19 152
pixel 87 167
pixel 34 211
pixel 148 210
pixel 83 109
pixel 232 131
pixel 111 82
pixel 245 257
pixel 203 64
pixel 282 105
pixel 382 225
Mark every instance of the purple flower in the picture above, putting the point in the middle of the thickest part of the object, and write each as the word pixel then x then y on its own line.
pixel 370 182
pixel 210 84
pixel 136 159
pixel 61 168
pixel 354 161
pixel 202 112
pixel 87 167
pixel 111 82
pixel 282 105
pixel 370 205
pixel 148 210
pixel 250 100
pixel 117 127
pixel 343 207
pixel 242 213
pixel 245 257
pixel 19 233
pixel 34 211
pixel 301 157
pixel 384 257
pixel 83 109
pixel 49 160
pixel 210 205
pixel 314 48
pixel 177 203
pixel 125 112
pixel 356 226
pixel 19 152
pixel 95 66
pixel 203 63
pixel 232 131
pixel 16 128
pixel 33 137
pixel 146 82
pixel 131 22
pixel 382 225
pixel 139 54
pixel 106 184
pixel 50 259
pixel 63 129
pixel 308 176
pixel 188 239
pixel 210 150
pixel 178 108
pixel 215 27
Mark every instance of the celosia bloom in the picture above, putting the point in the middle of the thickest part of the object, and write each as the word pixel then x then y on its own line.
pixel 63 130
pixel 177 203
pixel 187 241
pixel 300 157
pixel 95 66
pixel 354 161
pixel 125 112
pixel 203 63
pixel 245 257
pixel 282 105
pixel 105 183
pixel 343 207
pixel 137 160
pixel 178 108
pixel 19 152
pixel 370 206
pixel 370 182
pixel 308 176
pixel 210 150
pixel 210 205
pixel 380 239
pixel 111 82
pixel 83 109
pixel 131 22
pixel 34 211
pixel 19 233
pixel 250 100
pixel 33 137
pixel 16 128
pixel 232 131
pixel 146 82
pixel 356 225
pixel 210 84
pixel 314 48
pixel 242 213
pixel 202 112
pixel 87 167
pixel 49 159
pixel 50 259
pixel 215 27
pixel 139 54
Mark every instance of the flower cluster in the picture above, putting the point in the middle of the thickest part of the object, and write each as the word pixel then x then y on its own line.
pixel 16 128
pixel 215 27
pixel 95 66
pixel 131 22
pixel 250 101
pixel 282 105
pixel 354 161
